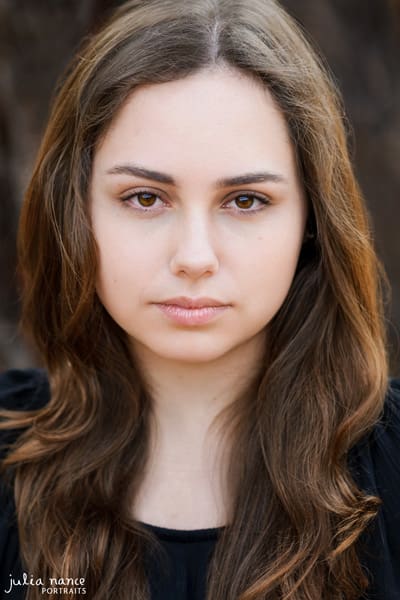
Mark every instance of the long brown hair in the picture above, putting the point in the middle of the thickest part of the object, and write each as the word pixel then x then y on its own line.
pixel 296 512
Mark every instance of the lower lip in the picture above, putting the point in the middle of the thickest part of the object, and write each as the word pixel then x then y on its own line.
pixel 191 316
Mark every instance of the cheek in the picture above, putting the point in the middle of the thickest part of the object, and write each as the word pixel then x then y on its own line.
pixel 267 277
pixel 126 264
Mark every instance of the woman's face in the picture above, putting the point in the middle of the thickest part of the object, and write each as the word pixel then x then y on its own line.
pixel 195 198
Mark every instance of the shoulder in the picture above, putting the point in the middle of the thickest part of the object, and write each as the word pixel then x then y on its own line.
pixel 375 461
pixel 24 389
pixel 384 446
pixel 376 457
pixel 21 389
pixel 386 434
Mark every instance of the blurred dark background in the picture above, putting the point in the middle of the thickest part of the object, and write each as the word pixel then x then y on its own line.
pixel 361 43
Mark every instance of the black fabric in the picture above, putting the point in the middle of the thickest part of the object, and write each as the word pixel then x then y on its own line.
pixel 374 463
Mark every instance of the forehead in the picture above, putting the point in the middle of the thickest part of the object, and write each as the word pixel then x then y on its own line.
pixel 219 118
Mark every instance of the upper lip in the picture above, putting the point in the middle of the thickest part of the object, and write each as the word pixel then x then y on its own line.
pixel 187 302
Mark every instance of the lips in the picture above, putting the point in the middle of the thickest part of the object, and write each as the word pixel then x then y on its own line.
pixel 186 302
pixel 192 311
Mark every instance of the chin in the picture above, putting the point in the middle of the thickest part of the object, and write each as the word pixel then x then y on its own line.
pixel 188 351
pixel 191 356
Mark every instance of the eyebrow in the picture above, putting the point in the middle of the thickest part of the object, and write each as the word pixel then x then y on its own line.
pixel 253 177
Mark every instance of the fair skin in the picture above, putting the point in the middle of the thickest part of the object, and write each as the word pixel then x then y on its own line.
pixel 195 232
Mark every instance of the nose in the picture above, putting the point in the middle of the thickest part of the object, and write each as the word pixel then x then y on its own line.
pixel 194 255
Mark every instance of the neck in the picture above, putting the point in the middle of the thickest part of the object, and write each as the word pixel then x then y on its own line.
pixel 188 461
pixel 187 398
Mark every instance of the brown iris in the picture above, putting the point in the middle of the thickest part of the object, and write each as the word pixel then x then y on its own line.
pixel 146 199
pixel 244 201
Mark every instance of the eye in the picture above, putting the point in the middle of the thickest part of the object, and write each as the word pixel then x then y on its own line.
pixel 146 200
pixel 249 202
pixel 142 199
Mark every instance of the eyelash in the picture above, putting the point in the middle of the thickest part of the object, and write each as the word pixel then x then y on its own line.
pixel 263 199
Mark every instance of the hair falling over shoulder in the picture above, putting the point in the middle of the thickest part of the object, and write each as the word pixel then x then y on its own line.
pixel 296 512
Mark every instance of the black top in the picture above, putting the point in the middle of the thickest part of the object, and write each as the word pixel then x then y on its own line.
pixel 374 463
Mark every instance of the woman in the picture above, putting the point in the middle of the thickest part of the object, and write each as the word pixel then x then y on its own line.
pixel 216 418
